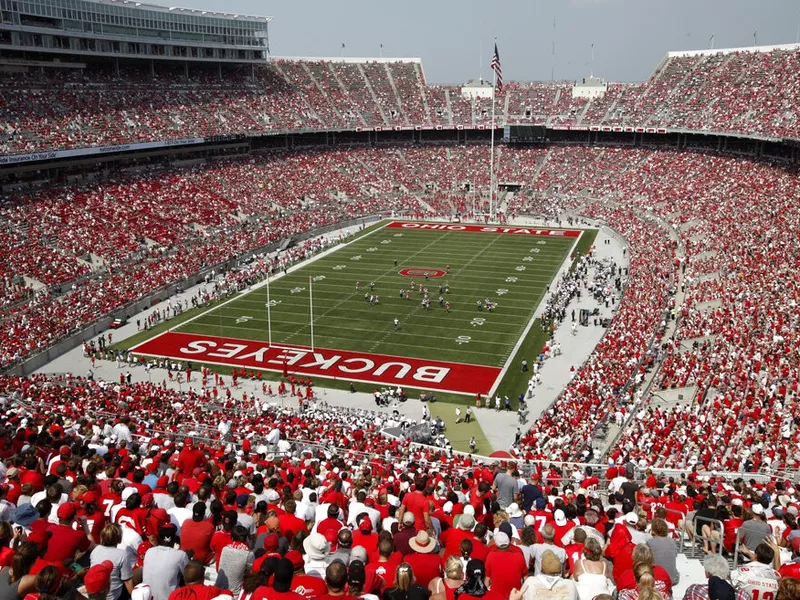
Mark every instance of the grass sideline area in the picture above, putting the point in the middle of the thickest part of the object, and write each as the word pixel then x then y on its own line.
pixel 510 272
pixel 515 381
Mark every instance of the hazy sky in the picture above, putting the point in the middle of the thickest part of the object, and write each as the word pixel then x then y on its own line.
pixel 630 36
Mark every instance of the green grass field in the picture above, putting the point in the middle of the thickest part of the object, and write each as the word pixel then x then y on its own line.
pixel 512 271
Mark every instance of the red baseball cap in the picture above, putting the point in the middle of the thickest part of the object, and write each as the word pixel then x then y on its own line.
pixel 98 577
pixel 162 482
pixel 66 511
pixel 89 497
pixel 156 518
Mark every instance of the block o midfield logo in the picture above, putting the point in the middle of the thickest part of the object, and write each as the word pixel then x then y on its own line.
pixel 416 272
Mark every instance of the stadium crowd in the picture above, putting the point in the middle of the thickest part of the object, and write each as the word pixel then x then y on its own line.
pixel 735 331
pixel 747 91
pixel 193 494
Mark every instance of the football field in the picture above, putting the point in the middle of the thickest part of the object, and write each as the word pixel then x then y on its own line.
pixel 370 323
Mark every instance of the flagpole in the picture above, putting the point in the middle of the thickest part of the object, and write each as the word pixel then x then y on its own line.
pixel 269 315
pixel 311 306
pixel 491 153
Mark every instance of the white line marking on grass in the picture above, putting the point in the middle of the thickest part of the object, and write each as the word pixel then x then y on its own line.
pixel 565 266
pixel 291 269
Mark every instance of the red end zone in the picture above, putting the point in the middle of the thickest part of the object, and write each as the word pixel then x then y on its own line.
pixel 379 369
pixel 506 229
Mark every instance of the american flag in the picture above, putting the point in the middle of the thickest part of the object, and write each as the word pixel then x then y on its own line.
pixel 497 69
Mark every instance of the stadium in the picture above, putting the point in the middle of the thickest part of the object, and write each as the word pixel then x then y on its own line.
pixel 517 339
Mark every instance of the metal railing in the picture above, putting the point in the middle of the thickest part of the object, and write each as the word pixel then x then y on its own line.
pixel 715 525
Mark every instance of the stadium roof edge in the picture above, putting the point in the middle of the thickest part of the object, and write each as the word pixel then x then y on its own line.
pixel 349 59
pixel 184 11
pixel 712 51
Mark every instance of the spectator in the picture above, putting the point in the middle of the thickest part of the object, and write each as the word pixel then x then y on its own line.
pixel 591 572
pixel 443 588
pixel 67 542
pixel 646 586
pixel 716 567
pixel 424 563
pixel 753 531
pixel 474 585
pixel 196 535
pixel 548 583
pixel 235 562
pixel 405 586
pixel 759 577
pixel 336 580
pixel 108 551
pixel 357 579
pixel 538 550
pixel 308 586
pixel 665 553
pixel 505 569
pixel 222 538
pixel 164 564
pixel 97 580
pixel 194 587
pixel 343 547
pixel 317 549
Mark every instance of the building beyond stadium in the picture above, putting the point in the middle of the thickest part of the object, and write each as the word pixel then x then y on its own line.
pixel 126 29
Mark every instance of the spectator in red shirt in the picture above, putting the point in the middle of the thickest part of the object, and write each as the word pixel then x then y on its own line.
pixel 417 503
pixel 307 586
pixel 190 458
pixel 387 563
pixel 196 535
pixel 289 523
pixel 364 536
pixel 423 561
pixel 505 569
pixel 331 523
pixel 575 549
pixel 194 587
pixel 138 483
pixel 132 514
pixel 281 588
pixel 66 542
pixel 95 519
pixel 32 473
pixel 336 582
pixel 222 538
pixel 451 539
